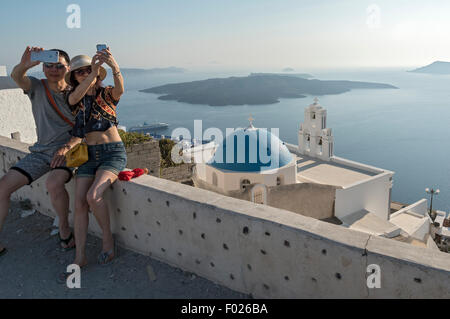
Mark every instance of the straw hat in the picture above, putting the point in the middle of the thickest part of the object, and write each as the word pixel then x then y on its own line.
pixel 81 61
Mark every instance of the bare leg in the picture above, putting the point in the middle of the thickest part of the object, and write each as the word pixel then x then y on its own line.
pixel 9 183
pixel 103 180
pixel 81 220
pixel 60 199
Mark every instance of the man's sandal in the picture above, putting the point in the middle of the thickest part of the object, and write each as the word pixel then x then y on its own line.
pixel 67 242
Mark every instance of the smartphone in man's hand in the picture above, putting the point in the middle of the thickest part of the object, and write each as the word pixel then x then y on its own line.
pixel 101 47
pixel 45 56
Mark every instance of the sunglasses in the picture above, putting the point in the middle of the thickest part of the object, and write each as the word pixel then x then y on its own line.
pixel 82 71
pixel 58 66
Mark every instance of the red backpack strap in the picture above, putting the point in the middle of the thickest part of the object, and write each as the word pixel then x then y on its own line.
pixel 52 102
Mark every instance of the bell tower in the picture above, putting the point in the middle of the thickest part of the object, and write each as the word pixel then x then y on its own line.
pixel 314 138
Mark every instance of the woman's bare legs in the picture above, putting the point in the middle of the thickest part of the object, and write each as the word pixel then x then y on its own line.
pixel 99 207
pixel 81 220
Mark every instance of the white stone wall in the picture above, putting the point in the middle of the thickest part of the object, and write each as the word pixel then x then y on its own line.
pixel 16 115
pixel 417 229
pixel 372 195
pixel 254 249
pixel 15 110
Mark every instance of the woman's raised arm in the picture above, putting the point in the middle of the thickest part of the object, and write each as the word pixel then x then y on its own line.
pixel 108 58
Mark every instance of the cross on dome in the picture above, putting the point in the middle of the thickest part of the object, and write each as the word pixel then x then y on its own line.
pixel 251 119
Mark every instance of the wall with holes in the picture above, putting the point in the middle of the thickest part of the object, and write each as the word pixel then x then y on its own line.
pixel 255 249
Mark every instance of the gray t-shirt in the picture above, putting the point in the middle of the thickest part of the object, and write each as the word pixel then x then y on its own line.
pixel 52 131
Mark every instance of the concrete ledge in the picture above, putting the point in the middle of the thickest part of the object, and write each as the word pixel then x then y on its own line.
pixel 361 166
pixel 417 208
pixel 254 249
pixel 339 160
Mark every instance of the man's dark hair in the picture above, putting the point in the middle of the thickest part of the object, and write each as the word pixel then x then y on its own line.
pixel 63 54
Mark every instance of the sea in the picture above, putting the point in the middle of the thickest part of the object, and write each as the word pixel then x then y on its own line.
pixel 405 130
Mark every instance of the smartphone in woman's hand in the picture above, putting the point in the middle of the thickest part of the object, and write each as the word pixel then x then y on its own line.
pixel 101 47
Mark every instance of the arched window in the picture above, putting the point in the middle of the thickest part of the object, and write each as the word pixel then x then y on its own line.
pixel 244 183
pixel 279 180
pixel 320 146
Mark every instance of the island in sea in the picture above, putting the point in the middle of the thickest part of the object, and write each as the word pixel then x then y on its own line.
pixel 298 75
pixel 437 67
pixel 255 89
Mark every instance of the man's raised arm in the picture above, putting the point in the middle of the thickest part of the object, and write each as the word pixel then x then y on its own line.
pixel 20 70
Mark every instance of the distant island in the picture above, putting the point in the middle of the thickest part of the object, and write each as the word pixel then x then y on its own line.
pixel 254 89
pixel 299 75
pixel 438 67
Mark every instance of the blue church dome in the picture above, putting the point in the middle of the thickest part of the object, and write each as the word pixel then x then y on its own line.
pixel 250 150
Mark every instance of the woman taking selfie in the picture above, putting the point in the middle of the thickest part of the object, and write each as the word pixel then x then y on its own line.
pixel 95 109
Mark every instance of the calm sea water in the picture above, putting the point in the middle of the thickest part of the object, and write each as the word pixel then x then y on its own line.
pixel 405 130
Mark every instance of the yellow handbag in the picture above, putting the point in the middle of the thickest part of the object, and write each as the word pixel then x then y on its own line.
pixel 77 156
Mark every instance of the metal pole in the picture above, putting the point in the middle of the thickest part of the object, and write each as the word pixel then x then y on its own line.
pixel 431 205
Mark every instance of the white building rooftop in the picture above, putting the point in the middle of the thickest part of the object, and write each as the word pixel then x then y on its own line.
pixel 314 170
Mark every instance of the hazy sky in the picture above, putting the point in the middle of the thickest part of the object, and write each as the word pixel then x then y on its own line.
pixel 233 34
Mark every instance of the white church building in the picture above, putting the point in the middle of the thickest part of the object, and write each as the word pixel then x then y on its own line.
pixel 254 164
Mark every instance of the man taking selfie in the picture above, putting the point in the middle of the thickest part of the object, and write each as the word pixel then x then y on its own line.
pixel 53 121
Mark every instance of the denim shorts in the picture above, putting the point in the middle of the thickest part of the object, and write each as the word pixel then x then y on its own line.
pixel 37 164
pixel 110 157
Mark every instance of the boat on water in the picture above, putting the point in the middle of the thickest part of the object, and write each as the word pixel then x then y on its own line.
pixel 147 128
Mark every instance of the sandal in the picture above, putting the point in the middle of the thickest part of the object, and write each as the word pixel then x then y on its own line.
pixel 67 242
pixel 106 257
